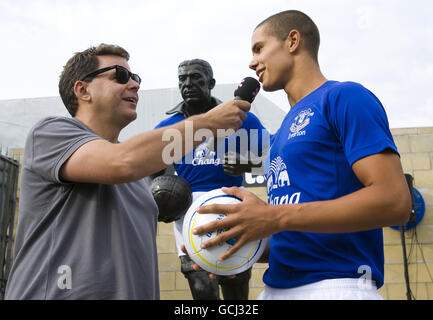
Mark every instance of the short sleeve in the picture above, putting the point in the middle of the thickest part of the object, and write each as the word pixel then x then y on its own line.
pixel 251 140
pixel 359 122
pixel 170 121
pixel 52 141
pixel 259 136
pixel 160 125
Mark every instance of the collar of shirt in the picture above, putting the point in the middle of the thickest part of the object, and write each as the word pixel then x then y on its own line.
pixel 181 108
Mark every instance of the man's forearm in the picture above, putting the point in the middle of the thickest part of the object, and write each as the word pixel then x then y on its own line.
pixel 155 150
pixel 100 161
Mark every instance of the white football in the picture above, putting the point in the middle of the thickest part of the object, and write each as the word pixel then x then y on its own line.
pixel 207 259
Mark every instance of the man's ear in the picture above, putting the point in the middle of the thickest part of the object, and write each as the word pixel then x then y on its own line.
pixel 211 84
pixel 293 40
pixel 81 92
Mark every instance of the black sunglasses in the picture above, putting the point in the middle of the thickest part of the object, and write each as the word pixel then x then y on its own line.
pixel 122 74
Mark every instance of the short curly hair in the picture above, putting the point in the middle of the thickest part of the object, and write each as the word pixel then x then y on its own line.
pixel 81 64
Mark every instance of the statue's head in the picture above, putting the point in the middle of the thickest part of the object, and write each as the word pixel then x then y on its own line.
pixel 196 82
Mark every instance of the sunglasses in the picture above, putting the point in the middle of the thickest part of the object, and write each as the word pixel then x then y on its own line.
pixel 122 74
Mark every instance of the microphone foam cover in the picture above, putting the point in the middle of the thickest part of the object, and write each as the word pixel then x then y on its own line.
pixel 247 89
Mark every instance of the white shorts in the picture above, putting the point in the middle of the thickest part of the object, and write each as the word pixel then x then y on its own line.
pixel 332 289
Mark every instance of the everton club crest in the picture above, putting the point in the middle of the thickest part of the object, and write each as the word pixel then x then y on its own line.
pixel 302 120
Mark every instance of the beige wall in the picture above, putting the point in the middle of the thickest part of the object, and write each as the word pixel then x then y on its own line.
pixel 416 148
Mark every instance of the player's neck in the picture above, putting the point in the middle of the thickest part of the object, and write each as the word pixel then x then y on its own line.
pixel 307 77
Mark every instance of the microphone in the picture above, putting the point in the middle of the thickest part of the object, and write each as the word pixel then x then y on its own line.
pixel 247 90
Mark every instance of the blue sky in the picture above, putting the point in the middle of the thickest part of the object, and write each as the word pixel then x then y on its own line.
pixel 384 44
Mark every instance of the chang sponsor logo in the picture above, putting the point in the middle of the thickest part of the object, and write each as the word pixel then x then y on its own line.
pixel 203 156
pixel 278 177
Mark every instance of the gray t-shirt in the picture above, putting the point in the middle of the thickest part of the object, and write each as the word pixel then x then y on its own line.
pixel 80 240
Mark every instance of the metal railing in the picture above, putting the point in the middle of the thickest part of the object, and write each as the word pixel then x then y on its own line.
pixel 8 199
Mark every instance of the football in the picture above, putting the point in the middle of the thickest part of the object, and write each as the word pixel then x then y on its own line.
pixel 172 195
pixel 207 259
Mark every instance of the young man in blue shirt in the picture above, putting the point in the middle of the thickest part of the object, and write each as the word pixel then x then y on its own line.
pixel 333 173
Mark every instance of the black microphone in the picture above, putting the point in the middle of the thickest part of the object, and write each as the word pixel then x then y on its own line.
pixel 247 90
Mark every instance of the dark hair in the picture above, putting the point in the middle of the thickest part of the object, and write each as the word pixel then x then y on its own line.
pixel 81 64
pixel 280 25
pixel 203 63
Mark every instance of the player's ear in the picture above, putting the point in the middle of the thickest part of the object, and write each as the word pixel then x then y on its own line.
pixel 293 40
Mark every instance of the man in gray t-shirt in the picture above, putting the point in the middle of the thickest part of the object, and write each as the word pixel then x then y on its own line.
pixel 87 221
pixel 86 240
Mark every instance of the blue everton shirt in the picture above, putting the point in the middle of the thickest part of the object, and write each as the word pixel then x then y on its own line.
pixel 203 168
pixel 309 160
